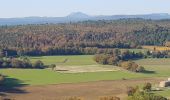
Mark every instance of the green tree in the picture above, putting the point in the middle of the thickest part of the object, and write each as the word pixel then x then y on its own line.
pixel 15 63
pixel 38 64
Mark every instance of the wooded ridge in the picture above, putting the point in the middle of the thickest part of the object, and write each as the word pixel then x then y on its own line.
pixel 83 37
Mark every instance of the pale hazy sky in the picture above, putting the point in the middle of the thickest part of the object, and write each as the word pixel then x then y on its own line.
pixel 57 8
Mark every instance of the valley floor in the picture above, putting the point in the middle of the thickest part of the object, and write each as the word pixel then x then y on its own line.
pixel 36 84
pixel 87 90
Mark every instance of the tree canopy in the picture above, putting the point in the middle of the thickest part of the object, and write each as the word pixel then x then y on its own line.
pixel 83 37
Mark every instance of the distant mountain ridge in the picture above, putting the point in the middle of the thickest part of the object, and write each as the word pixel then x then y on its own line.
pixel 77 16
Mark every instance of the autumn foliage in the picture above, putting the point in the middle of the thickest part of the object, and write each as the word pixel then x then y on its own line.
pixel 82 37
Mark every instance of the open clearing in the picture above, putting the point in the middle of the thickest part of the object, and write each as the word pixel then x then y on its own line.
pixel 89 90
pixel 85 68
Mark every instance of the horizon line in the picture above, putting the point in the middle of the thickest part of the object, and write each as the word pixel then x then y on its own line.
pixel 82 13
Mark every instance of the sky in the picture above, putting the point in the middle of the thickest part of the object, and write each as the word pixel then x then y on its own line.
pixel 59 8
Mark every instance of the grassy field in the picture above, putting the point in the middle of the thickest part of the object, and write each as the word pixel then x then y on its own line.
pixel 43 77
pixel 155 68
pixel 71 60
pixel 165 92
pixel 160 67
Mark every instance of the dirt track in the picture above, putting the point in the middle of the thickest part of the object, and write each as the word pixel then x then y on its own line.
pixel 86 68
pixel 89 90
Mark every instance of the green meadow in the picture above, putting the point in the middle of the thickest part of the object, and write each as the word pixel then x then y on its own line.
pixel 155 68
pixel 46 76
pixel 70 60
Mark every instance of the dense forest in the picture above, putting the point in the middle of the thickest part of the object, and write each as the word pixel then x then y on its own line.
pixel 82 37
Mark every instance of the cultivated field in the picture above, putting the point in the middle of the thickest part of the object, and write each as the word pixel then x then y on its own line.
pixel 87 90
pixel 36 81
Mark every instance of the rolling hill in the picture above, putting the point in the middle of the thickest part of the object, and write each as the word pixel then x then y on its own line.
pixel 77 16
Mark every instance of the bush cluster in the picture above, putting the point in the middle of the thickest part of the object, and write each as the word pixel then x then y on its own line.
pixel 158 54
pixel 20 63
pixel 115 56
pixel 131 66
pixel 145 94
pixel 120 58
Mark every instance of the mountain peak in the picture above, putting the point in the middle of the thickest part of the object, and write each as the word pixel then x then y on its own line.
pixel 161 14
pixel 78 15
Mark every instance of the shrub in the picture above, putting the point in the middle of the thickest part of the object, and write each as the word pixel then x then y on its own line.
pixel 147 87
pixel 38 64
pixel 20 63
pixel 135 94
pixel 27 64
pixel 140 69
pixel 132 90
pixel 52 66
pixel 113 60
pixel 16 63
pixel 145 96
pixel 131 66
pixel 101 59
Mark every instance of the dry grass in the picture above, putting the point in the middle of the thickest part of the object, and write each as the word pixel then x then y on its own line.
pixel 158 48
pixel 100 90
pixel 85 68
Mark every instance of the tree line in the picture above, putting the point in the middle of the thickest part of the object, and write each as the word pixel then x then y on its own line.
pixel 20 63
pixel 83 37
pixel 122 58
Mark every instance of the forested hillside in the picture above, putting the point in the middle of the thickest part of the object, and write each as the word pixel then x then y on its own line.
pixel 82 37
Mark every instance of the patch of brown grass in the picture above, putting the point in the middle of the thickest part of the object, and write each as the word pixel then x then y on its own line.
pixel 157 48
